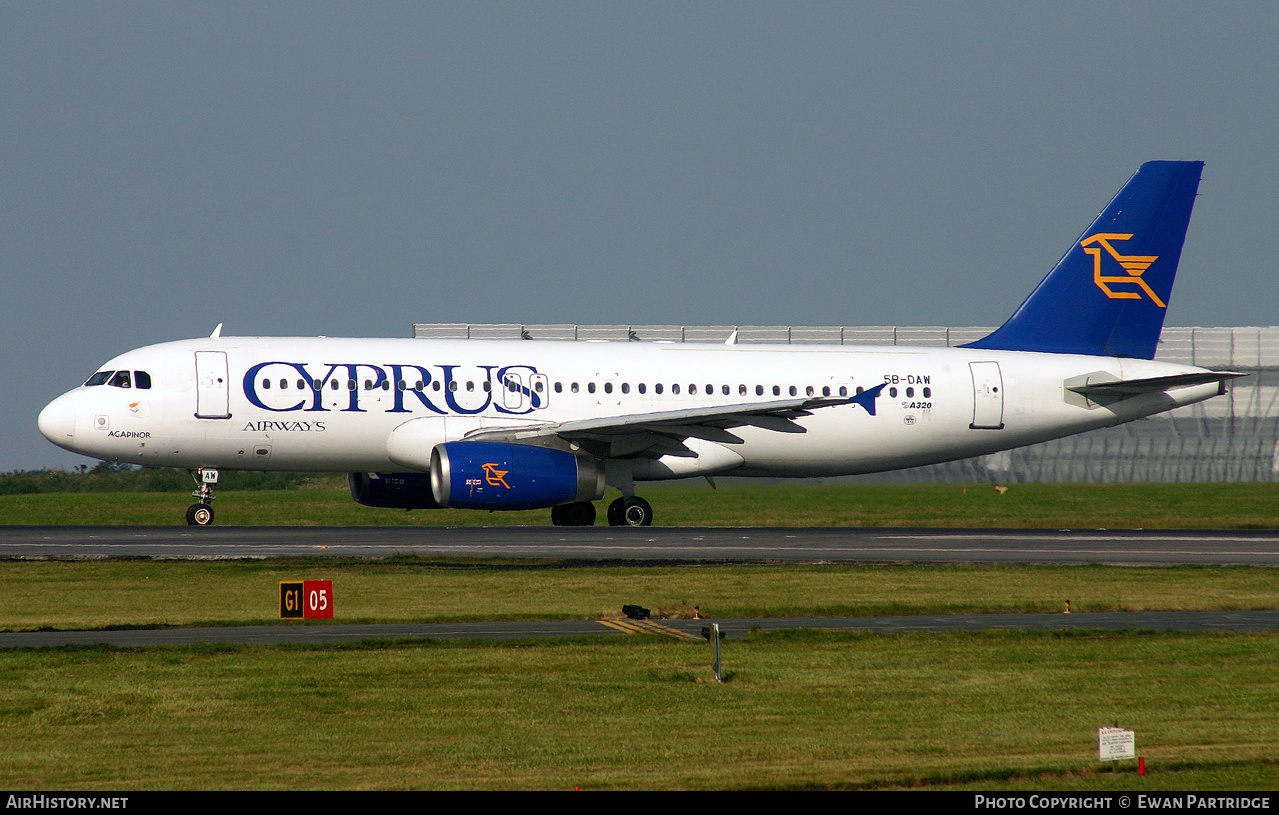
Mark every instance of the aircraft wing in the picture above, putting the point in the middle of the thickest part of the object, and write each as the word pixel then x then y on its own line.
pixel 663 432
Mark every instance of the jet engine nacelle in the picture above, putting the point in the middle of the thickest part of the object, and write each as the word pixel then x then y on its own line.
pixel 393 490
pixel 493 475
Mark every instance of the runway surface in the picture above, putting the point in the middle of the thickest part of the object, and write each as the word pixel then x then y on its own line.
pixel 652 545
pixel 663 544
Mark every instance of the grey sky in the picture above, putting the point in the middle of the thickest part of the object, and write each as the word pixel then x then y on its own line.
pixel 353 168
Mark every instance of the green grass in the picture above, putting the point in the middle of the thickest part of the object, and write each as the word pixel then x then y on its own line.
pixel 802 710
pixel 807 711
pixel 735 503
pixel 99 594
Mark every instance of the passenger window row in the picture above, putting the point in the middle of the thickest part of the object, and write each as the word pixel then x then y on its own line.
pixel 351 384
pixel 142 381
pixel 910 393
pixel 709 390
pixel 574 387
pixel 121 380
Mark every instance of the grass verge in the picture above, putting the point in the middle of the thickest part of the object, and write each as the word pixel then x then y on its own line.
pixel 99 594
pixel 803 711
pixel 735 503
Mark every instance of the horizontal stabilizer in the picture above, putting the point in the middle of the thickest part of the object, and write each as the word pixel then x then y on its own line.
pixel 1124 388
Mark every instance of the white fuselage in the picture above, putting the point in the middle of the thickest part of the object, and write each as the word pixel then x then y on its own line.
pixel 335 404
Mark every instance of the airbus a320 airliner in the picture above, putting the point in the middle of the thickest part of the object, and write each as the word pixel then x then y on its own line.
pixel 504 425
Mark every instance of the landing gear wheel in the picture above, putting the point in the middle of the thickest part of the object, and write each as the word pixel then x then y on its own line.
pixel 633 511
pixel 199 515
pixel 581 513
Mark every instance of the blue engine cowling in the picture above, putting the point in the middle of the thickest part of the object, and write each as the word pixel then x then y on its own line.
pixel 492 475
pixel 392 490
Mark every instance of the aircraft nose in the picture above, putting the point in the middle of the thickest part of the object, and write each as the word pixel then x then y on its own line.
pixel 57 420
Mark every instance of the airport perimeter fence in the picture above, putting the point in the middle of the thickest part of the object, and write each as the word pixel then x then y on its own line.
pixel 1230 438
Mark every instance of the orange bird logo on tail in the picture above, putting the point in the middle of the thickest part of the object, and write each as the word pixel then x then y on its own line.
pixel 1134 265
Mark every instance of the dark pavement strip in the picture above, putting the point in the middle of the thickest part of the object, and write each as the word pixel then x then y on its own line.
pixel 1191 621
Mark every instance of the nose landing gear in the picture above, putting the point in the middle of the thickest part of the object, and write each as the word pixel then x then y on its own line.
pixel 201 514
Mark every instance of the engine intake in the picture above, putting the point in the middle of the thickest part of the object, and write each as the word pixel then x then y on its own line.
pixel 493 475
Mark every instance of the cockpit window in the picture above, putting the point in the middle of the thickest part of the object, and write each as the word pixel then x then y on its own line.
pixel 120 379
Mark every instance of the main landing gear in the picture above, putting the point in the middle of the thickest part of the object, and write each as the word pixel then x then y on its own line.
pixel 632 511
pixel 580 514
pixel 201 514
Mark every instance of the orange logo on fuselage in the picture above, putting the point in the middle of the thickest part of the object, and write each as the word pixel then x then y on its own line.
pixel 1134 265
pixel 493 476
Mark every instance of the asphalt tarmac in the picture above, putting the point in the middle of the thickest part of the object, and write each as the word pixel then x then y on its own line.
pixel 660 544
pixel 680 629
pixel 608 545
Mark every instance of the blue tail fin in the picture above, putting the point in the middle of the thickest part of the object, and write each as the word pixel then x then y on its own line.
pixel 1108 295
